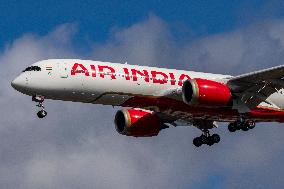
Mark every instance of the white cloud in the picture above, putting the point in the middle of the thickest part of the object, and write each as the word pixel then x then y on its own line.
pixel 78 147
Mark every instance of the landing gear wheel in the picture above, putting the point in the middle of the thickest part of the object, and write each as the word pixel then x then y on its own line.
pixel 206 138
pixel 39 100
pixel 41 114
pixel 242 124
pixel 239 125
pixel 203 139
pixel 245 128
pixel 250 124
pixel 216 138
pixel 231 127
pixel 210 141
pixel 197 141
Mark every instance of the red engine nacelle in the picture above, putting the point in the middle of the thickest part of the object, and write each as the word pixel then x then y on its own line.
pixel 137 123
pixel 202 92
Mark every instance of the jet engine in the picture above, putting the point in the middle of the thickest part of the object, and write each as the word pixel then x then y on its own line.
pixel 202 92
pixel 137 123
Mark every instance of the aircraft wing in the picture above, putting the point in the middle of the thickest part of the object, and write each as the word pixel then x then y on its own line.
pixel 258 76
pixel 248 90
pixel 253 88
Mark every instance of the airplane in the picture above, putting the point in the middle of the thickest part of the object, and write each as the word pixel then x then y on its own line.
pixel 154 98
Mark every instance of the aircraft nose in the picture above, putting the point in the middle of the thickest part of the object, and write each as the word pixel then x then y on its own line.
pixel 18 83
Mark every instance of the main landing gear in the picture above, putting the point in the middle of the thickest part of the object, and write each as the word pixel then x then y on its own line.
pixel 206 138
pixel 241 125
pixel 40 99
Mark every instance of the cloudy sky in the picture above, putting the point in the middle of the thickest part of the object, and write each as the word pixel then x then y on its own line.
pixel 76 146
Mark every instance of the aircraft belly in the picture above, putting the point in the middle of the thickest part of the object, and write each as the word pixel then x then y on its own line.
pixel 112 99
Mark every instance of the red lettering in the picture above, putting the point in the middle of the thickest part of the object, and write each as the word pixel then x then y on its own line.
pixel 102 73
pixel 127 76
pixel 173 80
pixel 93 68
pixel 159 80
pixel 182 78
pixel 75 70
pixel 145 74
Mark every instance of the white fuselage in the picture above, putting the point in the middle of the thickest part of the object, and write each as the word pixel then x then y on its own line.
pixel 110 83
pixel 91 79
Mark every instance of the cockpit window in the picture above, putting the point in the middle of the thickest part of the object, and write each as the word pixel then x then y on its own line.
pixel 32 68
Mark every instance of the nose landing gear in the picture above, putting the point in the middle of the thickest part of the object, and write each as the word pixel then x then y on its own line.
pixel 40 99
pixel 206 138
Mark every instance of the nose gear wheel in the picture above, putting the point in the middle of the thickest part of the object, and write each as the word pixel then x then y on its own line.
pixel 40 99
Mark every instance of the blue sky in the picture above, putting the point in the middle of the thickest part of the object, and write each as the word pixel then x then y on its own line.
pixel 77 145
pixel 96 19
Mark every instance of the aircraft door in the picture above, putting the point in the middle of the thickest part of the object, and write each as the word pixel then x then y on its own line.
pixel 63 73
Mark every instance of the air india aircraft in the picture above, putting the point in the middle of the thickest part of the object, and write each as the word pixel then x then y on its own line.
pixel 156 98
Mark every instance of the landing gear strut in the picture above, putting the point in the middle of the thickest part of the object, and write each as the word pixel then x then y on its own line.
pixel 241 125
pixel 206 138
pixel 40 99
